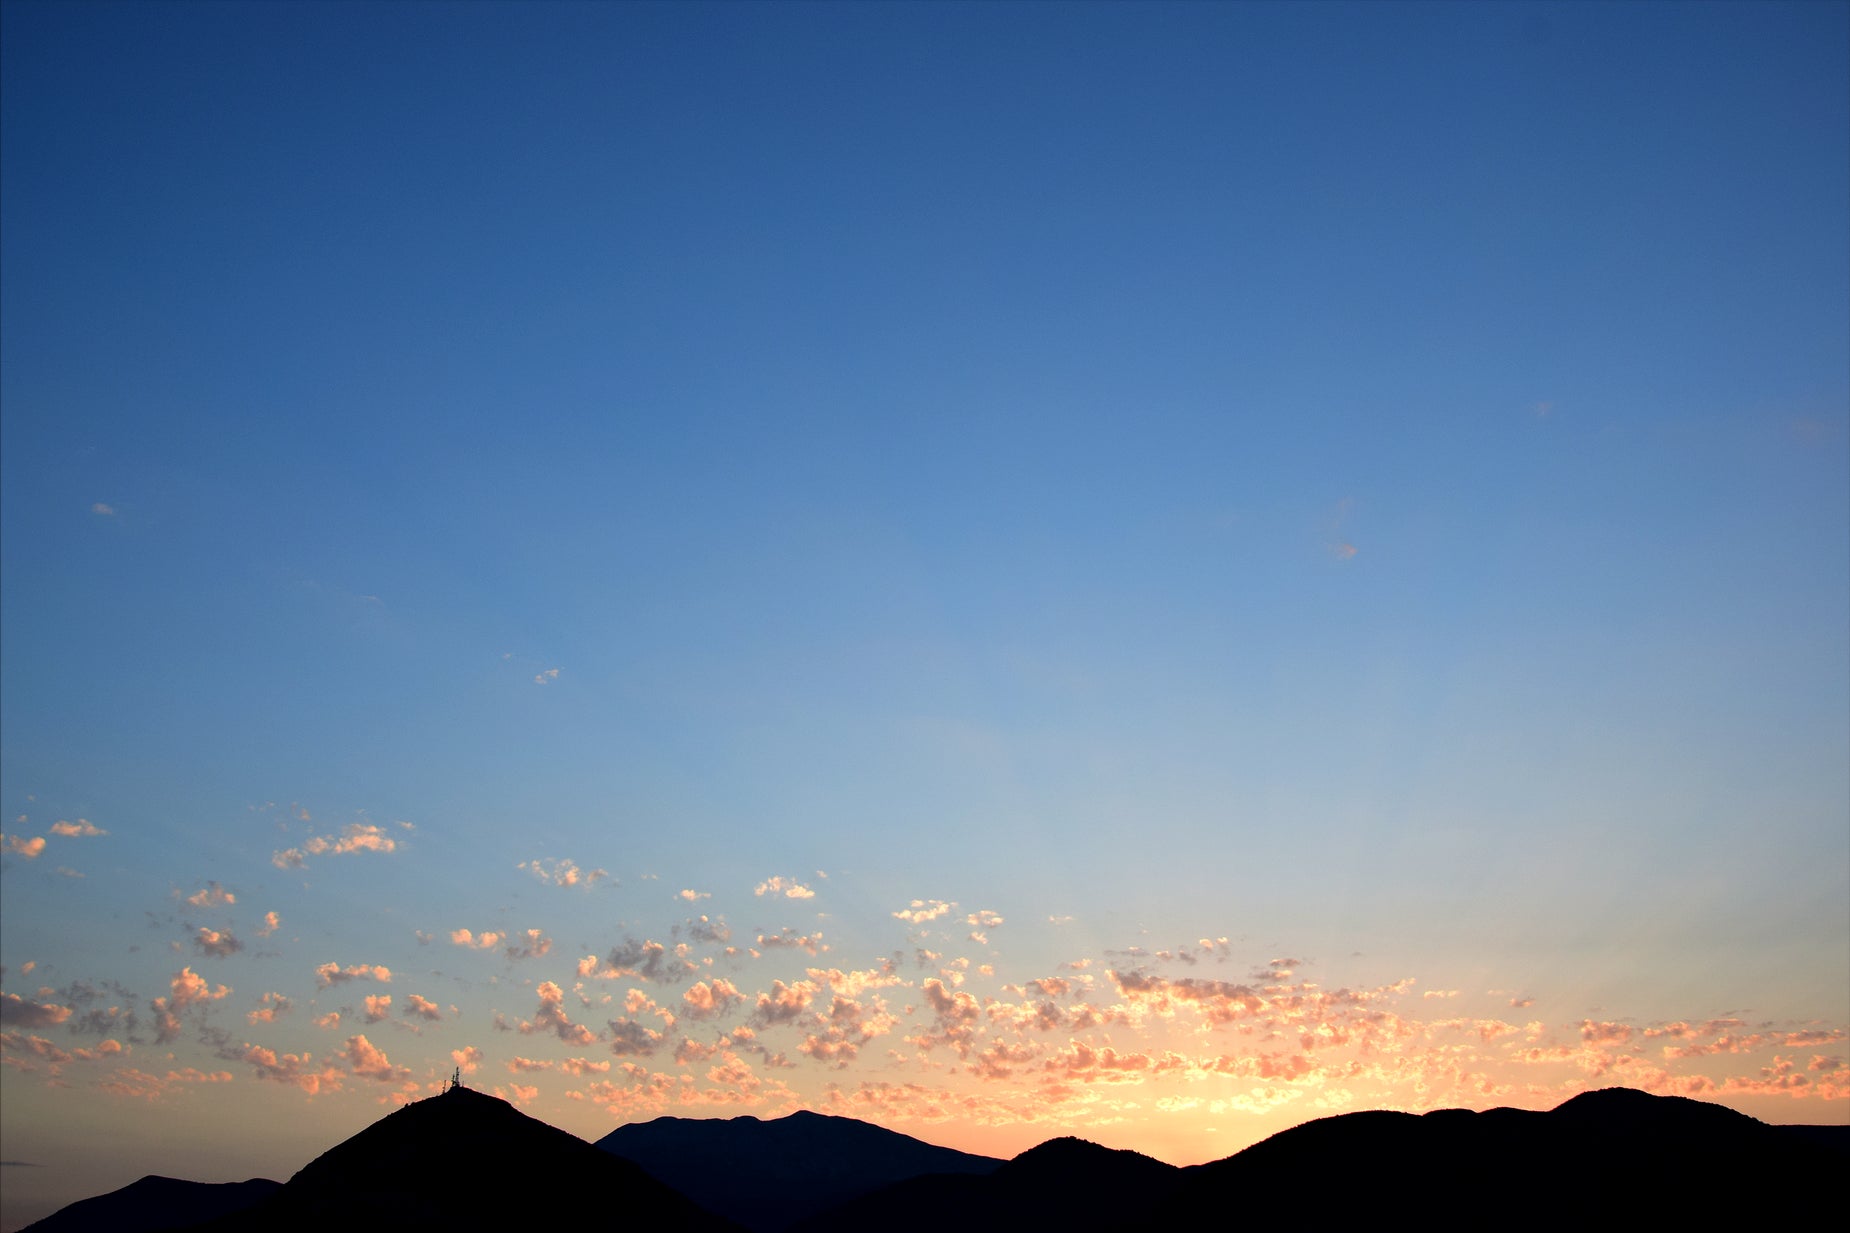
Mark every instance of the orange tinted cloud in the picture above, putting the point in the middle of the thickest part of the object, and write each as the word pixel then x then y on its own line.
pixel 72 830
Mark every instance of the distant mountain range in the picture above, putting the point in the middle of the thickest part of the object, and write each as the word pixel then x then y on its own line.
pixel 464 1160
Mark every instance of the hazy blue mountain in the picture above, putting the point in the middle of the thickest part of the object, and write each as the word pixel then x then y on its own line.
pixel 153 1204
pixel 769 1174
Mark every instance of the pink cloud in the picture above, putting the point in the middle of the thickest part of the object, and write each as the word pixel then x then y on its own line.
pixel 333 973
pixel 370 1062
pixel 213 896
pixel 72 830
pixel 21 1013
pixel 422 1008
pixel 704 1000
pixel 216 945
pixel 789 888
pixel 26 849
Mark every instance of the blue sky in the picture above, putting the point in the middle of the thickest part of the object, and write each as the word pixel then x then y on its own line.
pixel 1368 482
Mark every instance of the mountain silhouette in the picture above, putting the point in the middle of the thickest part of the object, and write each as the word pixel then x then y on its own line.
pixel 769 1174
pixel 1605 1157
pixel 155 1203
pixel 1066 1184
pixel 465 1160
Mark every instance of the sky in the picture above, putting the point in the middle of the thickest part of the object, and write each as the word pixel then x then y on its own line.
pixel 1145 571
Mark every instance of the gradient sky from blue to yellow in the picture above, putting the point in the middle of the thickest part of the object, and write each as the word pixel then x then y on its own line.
pixel 1367 483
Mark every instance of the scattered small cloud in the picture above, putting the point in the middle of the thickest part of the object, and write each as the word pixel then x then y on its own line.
pixel 694 896
pixel 72 830
pixel 334 974
pixel 923 910
pixel 356 837
pixel 271 923
pixel 546 677
pixel 213 896
pixel 789 888
pixel 103 510
pixel 564 872
pixel 216 945
pixel 26 849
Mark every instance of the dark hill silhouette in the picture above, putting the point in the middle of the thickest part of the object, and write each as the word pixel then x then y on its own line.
pixel 1067 1184
pixel 465 1160
pixel 155 1203
pixel 769 1174
pixel 1606 1157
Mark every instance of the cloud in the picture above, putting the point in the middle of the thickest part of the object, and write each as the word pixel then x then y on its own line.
pixel 128 1081
pixel 103 510
pixel 378 1006
pixel 648 960
pixel 216 945
pixel 564 872
pixel 268 1008
pixel 213 896
pixel 21 1013
pixel 983 920
pixel 27 849
pixel 551 1017
pixel 703 1000
pixel 72 830
pixel 529 945
pixel 693 896
pixel 368 1061
pixel 790 939
pixel 789 888
pixel 422 1008
pixel 783 1003
pixel 187 988
pixel 356 837
pixel 296 1070
pixel 923 910
pixel 334 974
pixel 546 676
pixel 467 1060
pixel 486 940
pixel 271 923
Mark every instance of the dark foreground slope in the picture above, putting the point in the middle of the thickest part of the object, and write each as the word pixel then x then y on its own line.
pixel 1599 1160
pixel 464 1160
pixel 153 1204
pixel 1606 1157
pixel 768 1174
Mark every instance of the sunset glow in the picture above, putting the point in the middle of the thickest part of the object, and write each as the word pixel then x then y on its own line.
pixel 1151 572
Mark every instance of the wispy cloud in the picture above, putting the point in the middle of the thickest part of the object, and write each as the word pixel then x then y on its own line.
pixel 789 888
pixel 923 910
pixel 356 837
pixel 564 873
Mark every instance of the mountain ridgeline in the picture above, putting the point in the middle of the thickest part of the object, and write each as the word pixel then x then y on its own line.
pixel 464 1160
